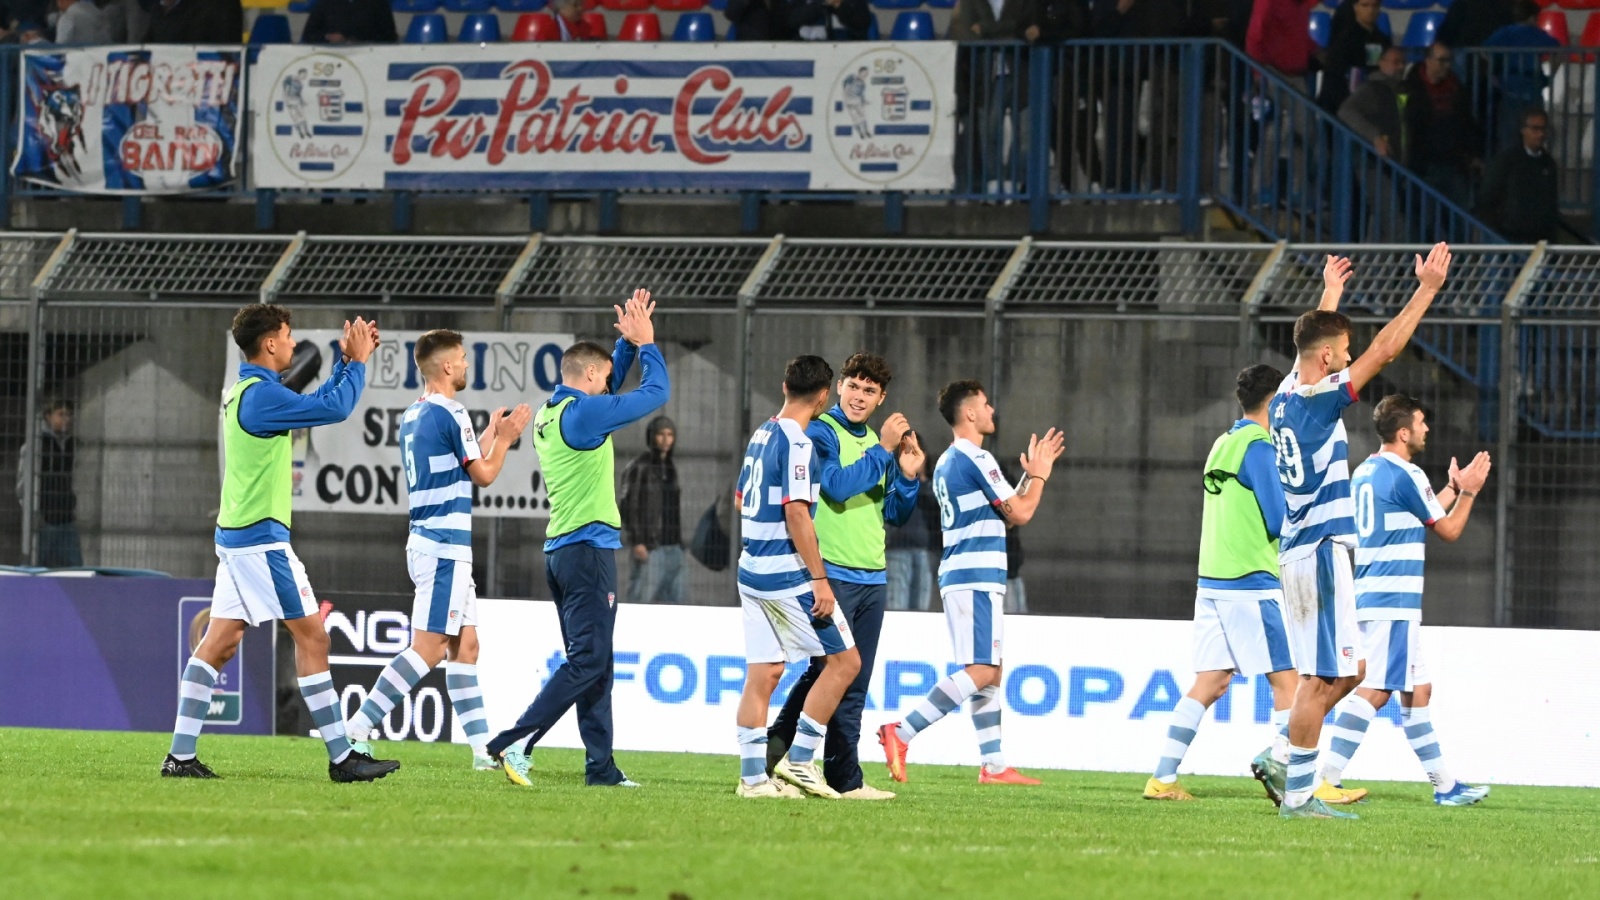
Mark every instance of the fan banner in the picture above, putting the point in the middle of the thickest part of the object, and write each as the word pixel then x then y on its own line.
pixel 130 120
pixel 525 116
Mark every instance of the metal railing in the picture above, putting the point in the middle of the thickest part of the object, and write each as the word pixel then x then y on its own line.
pixel 1185 122
pixel 1130 347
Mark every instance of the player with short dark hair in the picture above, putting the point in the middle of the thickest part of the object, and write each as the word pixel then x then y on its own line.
pixel 1395 509
pixel 442 462
pixel 259 578
pixel 976 506
pixel 866 482
pixel 1238 605
pixel 572 435
pixel 1313 464
pixel 790 612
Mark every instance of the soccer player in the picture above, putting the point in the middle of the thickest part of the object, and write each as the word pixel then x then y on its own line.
pixel 259 578
pixel 1314 558
pixel 572 435
pixel 442 462
pixel 976 506
pixel 1394 507
pixel 863 486
pixel 1238 605
pixel 790 612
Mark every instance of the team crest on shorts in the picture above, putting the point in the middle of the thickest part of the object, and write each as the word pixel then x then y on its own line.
pixel 611 598
pixel 1348 653
pixel 305 592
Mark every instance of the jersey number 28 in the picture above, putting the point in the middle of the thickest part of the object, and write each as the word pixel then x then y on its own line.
pixel 1290 462
pixel 750 486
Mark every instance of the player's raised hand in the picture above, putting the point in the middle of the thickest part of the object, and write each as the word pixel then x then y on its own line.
pixel 1476 473
pixel 893 431
pixel 376 338
pixel 911 456
pixel 359 340
pixel 633 319
pixel 1336 272
pixel 1433 270
pixel 510 427
pixel 1043 452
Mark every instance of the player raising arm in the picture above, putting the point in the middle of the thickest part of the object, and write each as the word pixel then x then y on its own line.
pixel 442 462
pixel 1395 507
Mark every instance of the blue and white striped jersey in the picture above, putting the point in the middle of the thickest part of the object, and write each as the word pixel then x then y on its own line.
pixel 1313 462
pixel 436 443
pixel 1394 505
pixel 969 487
pixel 780 466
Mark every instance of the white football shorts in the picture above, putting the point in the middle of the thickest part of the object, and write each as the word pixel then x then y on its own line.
pixel 1319 595
pixel 977 624
pixel 446 598
pixel 1394 655
pixel 785 631
pixel 260 584
pixel 1240 630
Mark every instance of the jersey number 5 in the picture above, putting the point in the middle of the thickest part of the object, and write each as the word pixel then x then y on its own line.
pixel 410 460
pixel 1289 460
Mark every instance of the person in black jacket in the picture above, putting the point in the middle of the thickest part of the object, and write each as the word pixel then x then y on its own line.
pixel 350 22
pixel 195 22
pixel 757 20
pixel 54 498
pixel 825 20
pixel 650 502
pixel 1519 198
pixel 1442 139
pixel 1353 54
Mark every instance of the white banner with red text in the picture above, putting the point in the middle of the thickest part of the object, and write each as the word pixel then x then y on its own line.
pixel 625 116
pixel 1510 706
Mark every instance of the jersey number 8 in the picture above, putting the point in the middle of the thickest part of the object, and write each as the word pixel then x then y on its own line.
pixel 947 512
pixel 1289 460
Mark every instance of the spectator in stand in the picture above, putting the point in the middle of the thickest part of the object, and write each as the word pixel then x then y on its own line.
pixel 825 20
pixel 1468 23
pixel 1519 197
pixel 1373 109
pixel 1126 73
pixel 55 502
pixel 195 22
pixel 1442 138
pixel 81 22
pixel 350 22
pixel 30 32
pixel 909 562
pixel 1077 117
pixel 1519 78
pixel 1353 54
pixel 16 13
pixel 1280 37
pixel 649 503
pixel 753 19
pixel 1000 90
pixel 569 17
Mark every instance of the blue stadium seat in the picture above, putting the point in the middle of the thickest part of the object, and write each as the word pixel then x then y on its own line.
pixel 913 26
pixel 941 4
pixel 733 32
pixel 467 6
pixel 272 28
pixel 1407 5
pixel 428 28
pixel 300 6
pixel 520 5
pixel 1421 30
pixel 896 4
pixel 1321 28
pixel 480 28
pixel 695 27
pixel 414 6
pixel 873 34
pixel 1384 25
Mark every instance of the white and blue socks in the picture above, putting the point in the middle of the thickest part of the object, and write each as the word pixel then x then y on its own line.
pixel 752 755
pixel 808 736
pixel 945 697
pixel 986 707
pixel 1180 734
pixel 194 701
pixel 323 701
pixel 1350 722
pixel 393 684
pixel 1419 732
pixel 466 698
pixel 1302 776
pixel 1280 741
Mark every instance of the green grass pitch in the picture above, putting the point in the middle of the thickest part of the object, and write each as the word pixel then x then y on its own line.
pixel 84 814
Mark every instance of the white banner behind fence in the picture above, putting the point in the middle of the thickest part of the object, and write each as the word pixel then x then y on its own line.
pixel 355 466
pixel 1080 694
pixel 522 116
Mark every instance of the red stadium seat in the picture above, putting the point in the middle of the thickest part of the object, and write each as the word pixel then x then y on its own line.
pixel 1591 33
pixel 597 25
pixel 625 5
pixel 680 5
pixel 536 27
pixel 1577 4
pixel 1554 23
pixel 640 27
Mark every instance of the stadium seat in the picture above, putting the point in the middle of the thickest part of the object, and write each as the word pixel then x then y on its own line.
pixel 1590 36
pixel 941 4
pixel 300 6
pixel 695 27
pixel 681 5
pixel 1421 29
pixel 520 5
pixel 1384 24
pixel 1554 23
pixel 718 5
pixel 467 6
pixel 625 6
pixel 873 34
pixel 1407 5
pixel 1321 25
pixel 896 4
pixel 481 28
pixel 428 28
pixel 640 27
pixel 1580 5
pixel 271 28
pixel 913 26
pixel 536 27
pixel 597 25
pixel 414 6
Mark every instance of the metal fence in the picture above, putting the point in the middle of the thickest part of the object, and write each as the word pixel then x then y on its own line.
pixel 1131 348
